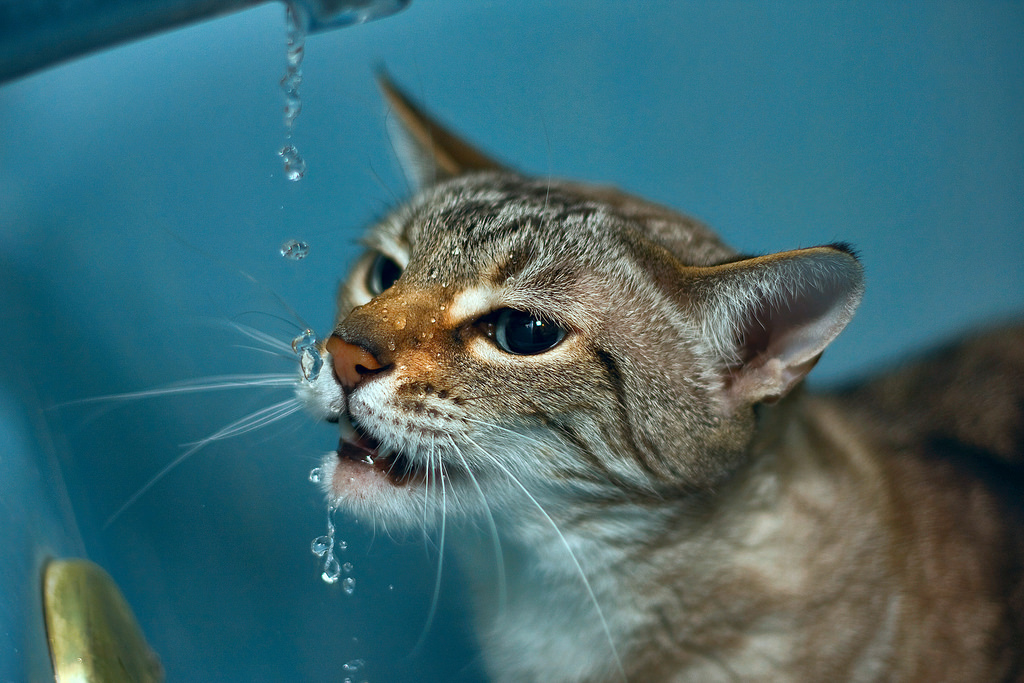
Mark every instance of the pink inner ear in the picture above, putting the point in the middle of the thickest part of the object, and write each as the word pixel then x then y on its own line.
pixel 784 327
pixel 796 304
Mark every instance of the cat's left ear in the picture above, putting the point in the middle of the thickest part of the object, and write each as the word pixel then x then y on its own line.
pixel 770 318
pixel 429 152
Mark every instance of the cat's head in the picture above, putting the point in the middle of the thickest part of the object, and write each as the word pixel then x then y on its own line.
pixel 504 333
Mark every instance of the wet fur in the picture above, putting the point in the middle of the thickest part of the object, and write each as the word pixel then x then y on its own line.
pixel 657 498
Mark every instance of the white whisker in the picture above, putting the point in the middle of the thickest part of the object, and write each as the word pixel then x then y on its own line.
pixel 215 383
pixel 249 422
pixel 264 338
pixel 440 555
pixel 572 556
pixel 499 556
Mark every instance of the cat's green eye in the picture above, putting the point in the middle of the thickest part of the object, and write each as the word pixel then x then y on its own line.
pixel 524 334
pixel 383 273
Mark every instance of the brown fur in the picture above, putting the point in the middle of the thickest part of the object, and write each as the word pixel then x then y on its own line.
pixel 659 499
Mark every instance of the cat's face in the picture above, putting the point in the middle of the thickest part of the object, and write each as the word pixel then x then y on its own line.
pixel 505 335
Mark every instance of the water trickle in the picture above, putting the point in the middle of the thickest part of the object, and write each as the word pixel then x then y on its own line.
pixel 310 360
pixel 348 585
pixel 295 25
pixel 324 546
pixel 294 164
pixel 294 250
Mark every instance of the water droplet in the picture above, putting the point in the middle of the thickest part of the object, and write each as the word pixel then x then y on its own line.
pixel 342 545
pixel 391 586
pixel 442 307
pixel 294 250
pixel 294 164
pixel 391 345
pixel 354 665
pixel 314 475
pixel 433 320
pixel 348 585
pixel 311 363
pixel 310 360
pixel 332 572
pixel 304 341
pixel 321 545
pixel 347 567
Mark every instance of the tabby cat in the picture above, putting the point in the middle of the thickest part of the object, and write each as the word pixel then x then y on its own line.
pixel 603 401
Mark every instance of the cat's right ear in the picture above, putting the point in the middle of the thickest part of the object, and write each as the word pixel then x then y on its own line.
pixel 768 319
pixel 428 151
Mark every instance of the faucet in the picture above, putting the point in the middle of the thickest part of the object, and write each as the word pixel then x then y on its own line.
pixel 35 34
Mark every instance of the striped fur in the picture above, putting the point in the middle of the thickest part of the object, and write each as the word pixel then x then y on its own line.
pixel 655 498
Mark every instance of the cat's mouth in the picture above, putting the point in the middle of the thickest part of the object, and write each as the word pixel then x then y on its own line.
pixel 363 449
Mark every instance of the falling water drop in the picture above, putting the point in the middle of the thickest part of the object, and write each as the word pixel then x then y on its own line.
pixel 310 360
pixel 347 567
pixel 294 250
pixel 314 475
pixel 348 585
pixel 294 164
pixel 332 572
pixel 320 545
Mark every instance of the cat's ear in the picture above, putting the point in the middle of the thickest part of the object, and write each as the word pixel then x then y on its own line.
pixel 769 318
pixel 429 152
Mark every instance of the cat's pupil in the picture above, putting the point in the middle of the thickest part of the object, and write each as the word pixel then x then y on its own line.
pixel 524 334
pixel 383 273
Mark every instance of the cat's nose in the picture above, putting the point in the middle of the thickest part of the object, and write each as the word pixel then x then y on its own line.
pixel 351 362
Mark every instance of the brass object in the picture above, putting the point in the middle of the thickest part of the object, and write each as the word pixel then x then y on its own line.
pixel 93 635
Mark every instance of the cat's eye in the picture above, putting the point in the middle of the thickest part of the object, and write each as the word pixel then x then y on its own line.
pixel 383 273
pixel 524 334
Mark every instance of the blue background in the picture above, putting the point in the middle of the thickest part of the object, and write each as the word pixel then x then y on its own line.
pixel 140 188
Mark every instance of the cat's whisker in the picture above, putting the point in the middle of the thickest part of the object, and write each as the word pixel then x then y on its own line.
pixel 214 383
pixel 435 599
pixel 268 352
pixel 572 556
pixel 253 421
pixel 265 339
pixel 248 423
pixel 499 556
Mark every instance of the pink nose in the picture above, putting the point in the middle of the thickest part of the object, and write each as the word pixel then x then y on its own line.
pixel 351 362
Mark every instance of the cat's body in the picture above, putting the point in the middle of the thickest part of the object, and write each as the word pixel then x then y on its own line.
pixel 604 400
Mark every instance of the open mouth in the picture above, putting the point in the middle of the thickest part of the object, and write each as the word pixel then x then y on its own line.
pixel 361 448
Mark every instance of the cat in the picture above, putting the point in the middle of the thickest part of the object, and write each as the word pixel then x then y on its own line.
pixel 606 401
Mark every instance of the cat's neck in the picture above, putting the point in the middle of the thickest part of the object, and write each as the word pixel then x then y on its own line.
pixel 697 582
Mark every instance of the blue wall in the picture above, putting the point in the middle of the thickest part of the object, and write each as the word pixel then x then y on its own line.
pixel 140 188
